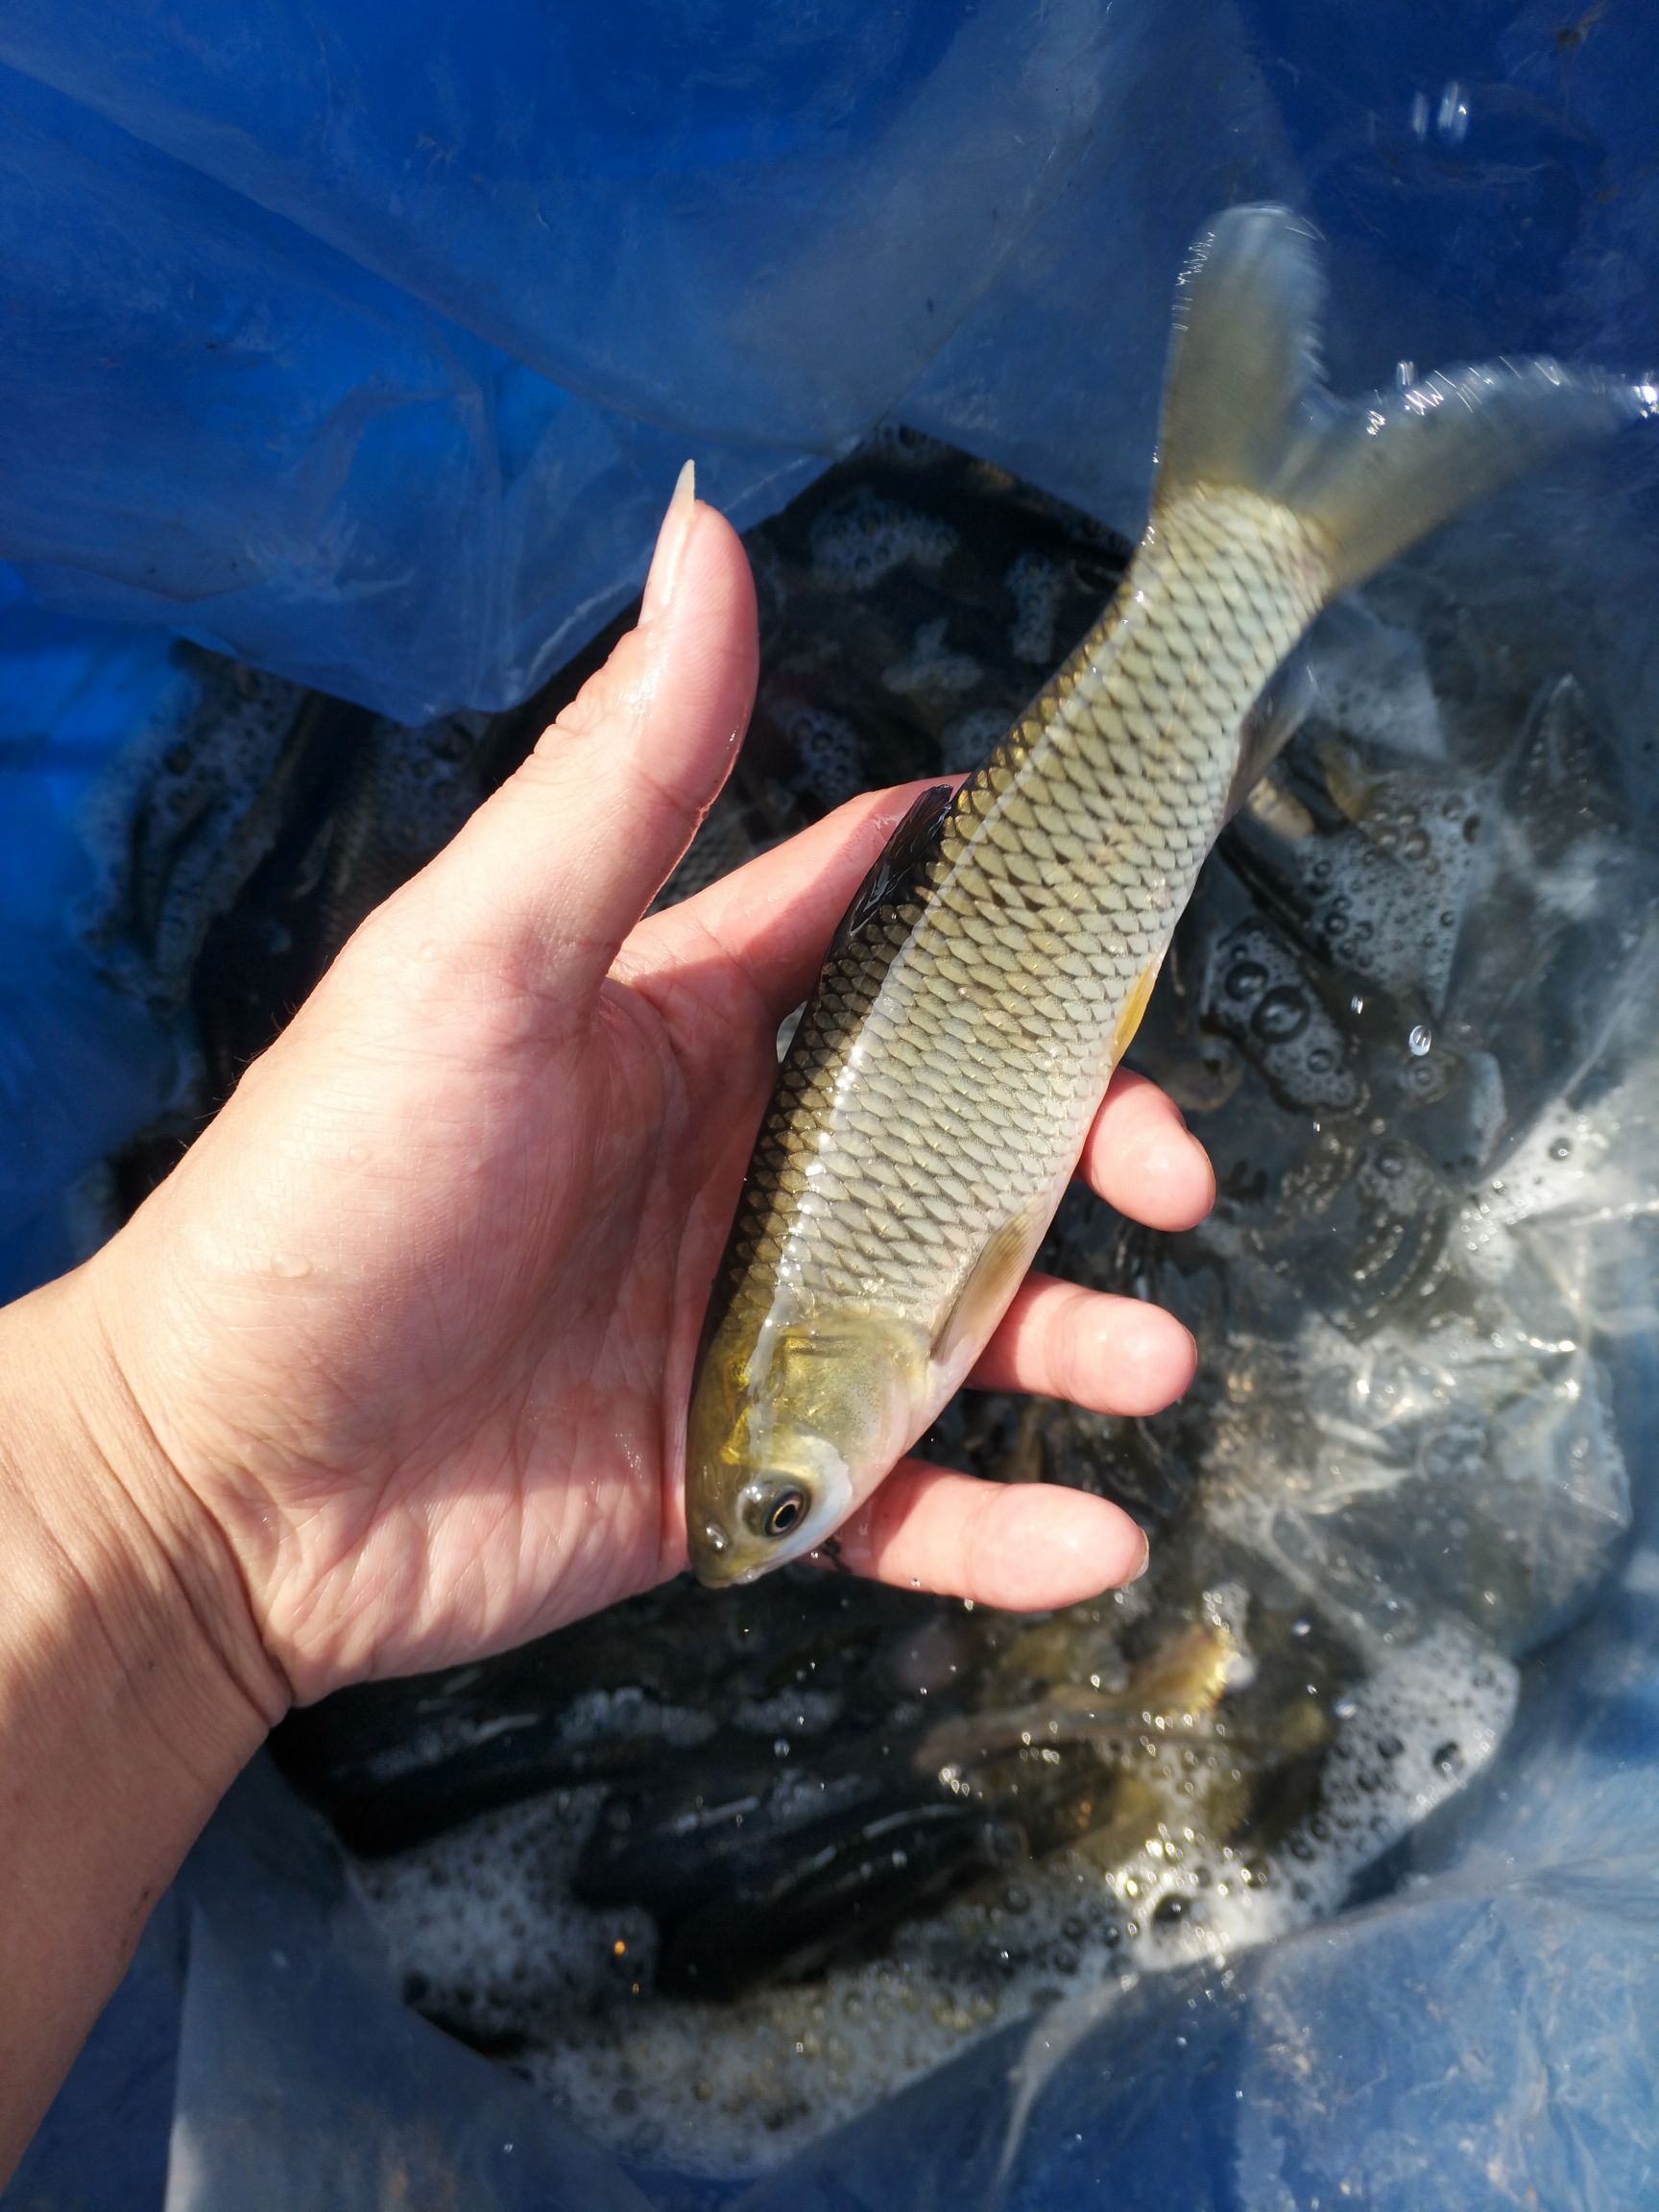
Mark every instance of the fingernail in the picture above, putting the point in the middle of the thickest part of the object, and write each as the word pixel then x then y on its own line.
pixel 1145 1557
pixel 671 542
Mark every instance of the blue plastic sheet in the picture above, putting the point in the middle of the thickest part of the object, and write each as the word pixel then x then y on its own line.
pixel 81 1063
pixel 368 346
pixel 365 344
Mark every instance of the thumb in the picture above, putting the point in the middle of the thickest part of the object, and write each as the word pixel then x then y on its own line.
pixel 555 869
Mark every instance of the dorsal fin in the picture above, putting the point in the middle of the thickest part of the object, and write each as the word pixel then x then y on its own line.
pixel 903 857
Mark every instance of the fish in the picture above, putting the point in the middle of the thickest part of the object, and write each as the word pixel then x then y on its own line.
pixel 992 968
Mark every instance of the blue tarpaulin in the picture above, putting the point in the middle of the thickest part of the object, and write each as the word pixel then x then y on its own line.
pixel 363 345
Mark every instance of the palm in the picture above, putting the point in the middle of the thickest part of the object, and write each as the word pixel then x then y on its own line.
pixel 416 1318
pixel 463 1288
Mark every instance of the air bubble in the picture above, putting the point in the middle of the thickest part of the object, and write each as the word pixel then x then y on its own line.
pixel 1244 979
pixel 1282 1013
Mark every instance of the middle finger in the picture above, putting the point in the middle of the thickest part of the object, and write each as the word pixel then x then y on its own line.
pixel 1113 1354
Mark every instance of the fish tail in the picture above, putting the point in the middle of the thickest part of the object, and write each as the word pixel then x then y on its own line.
pixel 1246 407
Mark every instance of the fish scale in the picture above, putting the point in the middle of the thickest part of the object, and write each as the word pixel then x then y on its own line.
pixel 957 1045
pixel 980 1016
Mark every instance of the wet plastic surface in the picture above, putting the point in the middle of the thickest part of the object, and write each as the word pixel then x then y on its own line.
pixel 341 299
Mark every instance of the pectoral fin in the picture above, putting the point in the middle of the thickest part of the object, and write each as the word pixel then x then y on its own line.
pixel 991 1283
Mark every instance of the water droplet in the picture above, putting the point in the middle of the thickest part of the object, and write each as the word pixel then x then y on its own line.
pixel 290 1264
pixel 1282 1014
pixel 1420 1040
pixel 1244 979
pixel 1561 1149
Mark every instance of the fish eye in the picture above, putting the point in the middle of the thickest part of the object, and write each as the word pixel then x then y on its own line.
pixel 786 1511
pixel 777 1512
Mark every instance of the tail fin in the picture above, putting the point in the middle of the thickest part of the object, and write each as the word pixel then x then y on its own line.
pixel 1246 405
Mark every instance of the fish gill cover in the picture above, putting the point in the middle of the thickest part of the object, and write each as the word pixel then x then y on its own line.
pixel 1411 1012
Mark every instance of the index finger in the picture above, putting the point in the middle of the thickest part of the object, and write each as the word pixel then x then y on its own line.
pixel 773 918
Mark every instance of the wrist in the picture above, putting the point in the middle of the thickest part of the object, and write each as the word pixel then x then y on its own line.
pixel 132 1686
pixel 110 1558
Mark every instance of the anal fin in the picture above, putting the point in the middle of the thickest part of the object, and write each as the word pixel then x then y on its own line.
pixel 1134 1011
pixel 1269 726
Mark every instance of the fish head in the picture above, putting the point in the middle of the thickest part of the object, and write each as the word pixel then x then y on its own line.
pixel 789 1433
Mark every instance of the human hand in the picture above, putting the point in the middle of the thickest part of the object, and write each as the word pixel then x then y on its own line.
pixel 412 1326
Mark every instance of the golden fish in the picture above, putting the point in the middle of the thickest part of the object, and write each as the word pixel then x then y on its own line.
pixel 994 966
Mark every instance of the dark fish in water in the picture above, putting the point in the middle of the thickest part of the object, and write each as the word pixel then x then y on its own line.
pixel 994 968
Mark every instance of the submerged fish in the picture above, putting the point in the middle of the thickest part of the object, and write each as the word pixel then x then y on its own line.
pixel 994 966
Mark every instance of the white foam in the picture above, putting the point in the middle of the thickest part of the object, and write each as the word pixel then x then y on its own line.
pixel 829 760
pixel 484 1917
pixel 1038 585
pixel 970 739
pixel 932 666
pixel 863 538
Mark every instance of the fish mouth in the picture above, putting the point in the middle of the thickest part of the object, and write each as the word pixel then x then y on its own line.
pixel 717 1562
pixel 714 1576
